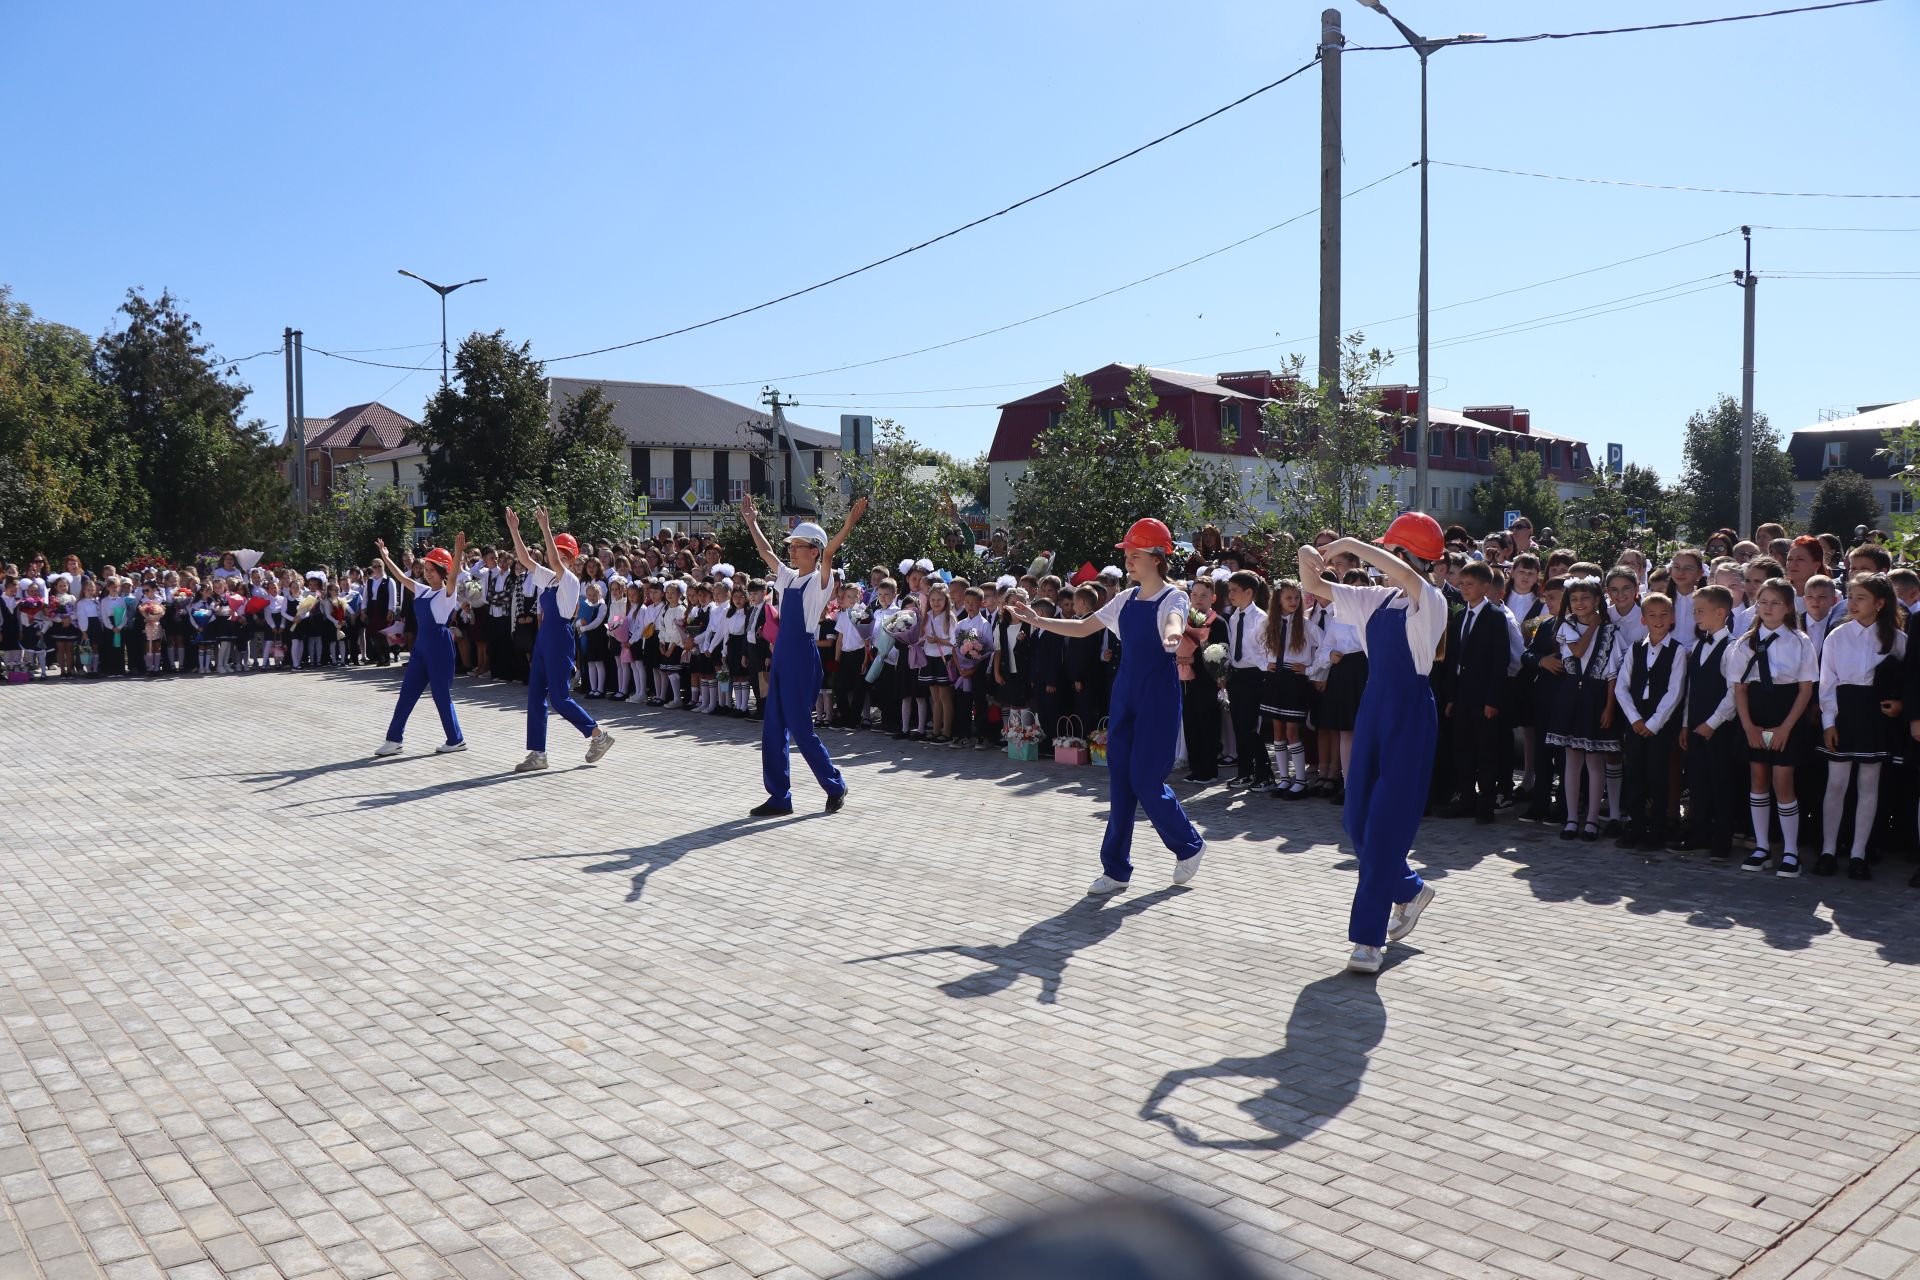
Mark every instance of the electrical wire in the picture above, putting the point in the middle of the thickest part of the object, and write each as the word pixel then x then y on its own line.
pixel 271 351
pixel 1674 186
pixel 415 346
pixel 947 235
pixel 1760 227
pixel 377 364
pixel 1015 324
pixel 1619 31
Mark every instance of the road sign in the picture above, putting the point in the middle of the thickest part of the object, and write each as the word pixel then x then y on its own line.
pixel 1636 514
pixel 427 520
pixel 1616 458
pixel 856 434
pixel 691 498
pixel 641 506
pixel 1511 517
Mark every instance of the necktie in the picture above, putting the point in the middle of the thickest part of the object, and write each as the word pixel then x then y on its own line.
pixel 1239 632
pixel 1759 658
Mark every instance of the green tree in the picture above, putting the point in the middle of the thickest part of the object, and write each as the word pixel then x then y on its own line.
pixel 1519 483
pixel 1662 506
pixel 212 481
pixel 343 531
pixel 587 474
pixel 1331 446
pixel 1844 501
pixel 1711 481
pixel 1094 473
pixel 487 439
pixel 907 517
pixel 969 480
pixel 1599 525
pixel 1902 449
pixel 66 483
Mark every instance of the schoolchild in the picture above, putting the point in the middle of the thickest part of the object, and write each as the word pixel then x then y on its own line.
pixel 1650 690
pixel 1862 693
pixel 1199 688
pixel 1248 660
pixel 1340 675
pixel 1584 723
pixel 1710 748
pixel 1774 673
pixel 1293 645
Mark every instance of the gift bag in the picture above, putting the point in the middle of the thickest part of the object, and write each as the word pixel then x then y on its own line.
pixel 1023 736
pixel 1069 742
pixel 1097 742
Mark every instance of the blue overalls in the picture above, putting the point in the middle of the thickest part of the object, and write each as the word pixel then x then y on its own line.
pixel 1143 728
pixel 550 673
pixel 1393 740
pixel 429 665
pixel 793 684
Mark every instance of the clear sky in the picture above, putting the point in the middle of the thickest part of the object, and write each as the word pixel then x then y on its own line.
pixel 616 170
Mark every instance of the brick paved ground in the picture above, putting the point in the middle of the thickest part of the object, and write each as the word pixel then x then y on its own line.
pixel 272 1009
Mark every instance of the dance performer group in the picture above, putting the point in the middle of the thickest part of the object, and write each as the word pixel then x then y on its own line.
pixel 1400 625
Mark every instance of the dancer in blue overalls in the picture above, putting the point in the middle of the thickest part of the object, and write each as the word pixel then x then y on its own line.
pixel 793 684
pixel 430 665
pixel 1400 628
pixel 550 665
pixel 1143 718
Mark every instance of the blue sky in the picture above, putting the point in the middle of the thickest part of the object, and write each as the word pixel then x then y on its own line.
pixel 618 170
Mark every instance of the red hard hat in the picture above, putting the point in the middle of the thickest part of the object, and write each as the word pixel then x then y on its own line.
pixel 1147 534
pixel 567 544
pixel 1416 532
pixel 442 557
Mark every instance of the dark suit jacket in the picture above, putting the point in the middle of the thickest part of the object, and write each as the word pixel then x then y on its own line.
pixel 1477 669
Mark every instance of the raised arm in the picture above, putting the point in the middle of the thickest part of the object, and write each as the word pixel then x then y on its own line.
pixel 1392 567
pixel 553 548
pixel 520 552
pixel 760 542
pixel 393 570
pixel 854 513
pixel 1312 565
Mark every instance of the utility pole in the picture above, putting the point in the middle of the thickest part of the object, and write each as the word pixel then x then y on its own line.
pixel 1749 285
pixel 296 430
pixel 783 447
pixel 1331 42
pixel 300 412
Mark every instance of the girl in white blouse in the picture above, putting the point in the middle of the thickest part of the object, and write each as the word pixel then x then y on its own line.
pixel 1774 668
pixel 1860 691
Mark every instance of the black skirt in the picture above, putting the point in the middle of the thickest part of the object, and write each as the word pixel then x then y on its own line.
pixel 1580 703
pixel 1284 694
pixel 1340 704
pixel 597 645
pixel 1767 706
pixel 1864 734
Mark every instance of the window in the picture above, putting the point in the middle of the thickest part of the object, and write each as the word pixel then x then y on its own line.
pixel 1836 455
pixel 1406 440
pixel 313 473
pixel 736 491
pixel 1899 503
pixel 1229 419
pixel 1460 444
pixel 1435 504
pixel 1055 417
pixel 417 496
pixel 1453 498
pixel 1436 445
pixel 1108 415
pixel 1555 458
pixel 703 486
pixel 1482 446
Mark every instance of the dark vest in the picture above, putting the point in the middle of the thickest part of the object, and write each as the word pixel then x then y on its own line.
pixel 1706 682
pixel 1650 686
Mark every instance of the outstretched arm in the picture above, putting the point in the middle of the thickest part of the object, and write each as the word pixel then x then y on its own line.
pixel 393 570
pixel 520 552
pixel 854 513
pixel 1392 567
pixel 760 542
pixel 1312 564
pixel 553 548
pixel 1063 626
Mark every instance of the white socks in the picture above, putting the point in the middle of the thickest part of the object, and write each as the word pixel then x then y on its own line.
pixel 1616 780
pixel 1296 760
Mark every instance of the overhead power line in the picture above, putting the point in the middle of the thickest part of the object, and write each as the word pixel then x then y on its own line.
pixel 947 235
pixel 1621 31
pixel 1674 186
pixel 377 364
pixel 270 351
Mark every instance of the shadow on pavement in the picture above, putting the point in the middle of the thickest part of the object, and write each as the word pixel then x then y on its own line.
pixel 644 860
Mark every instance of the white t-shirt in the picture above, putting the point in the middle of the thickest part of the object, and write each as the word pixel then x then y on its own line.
pixel 1172 600
pixel 1426 616
pixel 813 601
pixel 566 596
pixel 440 603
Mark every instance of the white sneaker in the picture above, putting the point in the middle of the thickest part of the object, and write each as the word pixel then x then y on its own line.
pixel 1105 885
pixel 1366 959
pixel 601 744
pixel 387 748
pixel 1187 868
pixel 1407 914
pixel 448 748
pixel 535 760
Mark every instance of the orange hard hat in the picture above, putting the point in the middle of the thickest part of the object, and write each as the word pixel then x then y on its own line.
pixel 1147 534
pixel 569 546
pixel 442 557
pixel 1415 532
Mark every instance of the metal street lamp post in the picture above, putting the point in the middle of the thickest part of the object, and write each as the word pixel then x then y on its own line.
pixel 1424 47
pixel 444 289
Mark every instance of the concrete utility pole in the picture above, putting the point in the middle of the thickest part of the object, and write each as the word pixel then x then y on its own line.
pixel 296 429
pixel 783 446
pixel 300 412
pixel 1331 42
pixel 1749 285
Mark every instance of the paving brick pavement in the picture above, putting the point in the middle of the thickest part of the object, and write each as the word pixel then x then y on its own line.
pixel 273 1009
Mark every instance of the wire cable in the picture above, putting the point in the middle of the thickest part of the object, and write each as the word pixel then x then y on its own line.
pixel 271 351
pixel 1620 31
pixel 1015 324
pixel 414 346
pixel 1674 186
pixel 947 235
pixel 377 364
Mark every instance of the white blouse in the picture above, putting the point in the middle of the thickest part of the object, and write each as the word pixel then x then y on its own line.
pixel 1313 638
pixel 1790 658
pixel 1850 656
pixel 1594 666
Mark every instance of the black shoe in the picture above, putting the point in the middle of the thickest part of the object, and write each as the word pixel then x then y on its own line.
pixel 1589 834
pixel 1756 861
pixel 1857 869
pixel 1570 832
pixel 1338 794
pixel 1826 865
pixel 1200 777
pixel 770 810
pixel 1281 792
pixel 836 803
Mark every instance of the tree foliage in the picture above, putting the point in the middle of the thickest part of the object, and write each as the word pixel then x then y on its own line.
pixel 1632 509
pixel 1331 446
pixel 1903 449
pixel 486 436
pixel 907 516
pixel 1711 481
pixel 342 532
pixel 1519 483
pixel 1093 474
pixel 1844 501
pixel 587 474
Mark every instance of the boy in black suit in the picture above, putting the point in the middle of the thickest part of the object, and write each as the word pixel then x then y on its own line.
pixel 1480 646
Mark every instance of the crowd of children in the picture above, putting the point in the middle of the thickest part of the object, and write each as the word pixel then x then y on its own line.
pixel 1636 702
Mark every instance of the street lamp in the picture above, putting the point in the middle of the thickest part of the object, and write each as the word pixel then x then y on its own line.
pixel 444 289
pixel 1424 47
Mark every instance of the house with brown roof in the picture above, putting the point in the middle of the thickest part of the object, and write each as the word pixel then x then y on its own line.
pixel 357 431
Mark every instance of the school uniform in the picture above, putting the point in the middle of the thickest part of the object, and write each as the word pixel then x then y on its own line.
pixel 1200 698
pixel 1045 666
pixel 1773 665
pixel 1478 652
pixel 883 674
pixel 1649 689
pixel 1629 625
pixel 1247 663
pixel 1087 677
pixel 970 702
pixel 383 603
pixel 1583 694
pixel 1855 678
pixel 1013 643
pixel 1285 694
pixel 849 676
pixel 1684 628
pixel 1346 679
pixel 1712 764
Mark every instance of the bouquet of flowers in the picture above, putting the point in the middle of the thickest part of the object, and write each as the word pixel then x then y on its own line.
pixel 966 661
pixel 1097 742
pixel 473 593
pixel 902 623
pixel 305 606
pixel 140 564
pixel 1196 617
pixel 1023 737
pixel 1214 658
pixel 862 614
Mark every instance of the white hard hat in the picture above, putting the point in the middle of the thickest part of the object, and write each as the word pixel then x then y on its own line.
pixel 808 531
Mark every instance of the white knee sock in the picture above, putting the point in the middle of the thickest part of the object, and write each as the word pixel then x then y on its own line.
pixel 1833 807
pixel 673 686
pixel 1790 826
pixel 1759 803
pixel 1616 778
pixel 1865 809
pixel 1297 760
